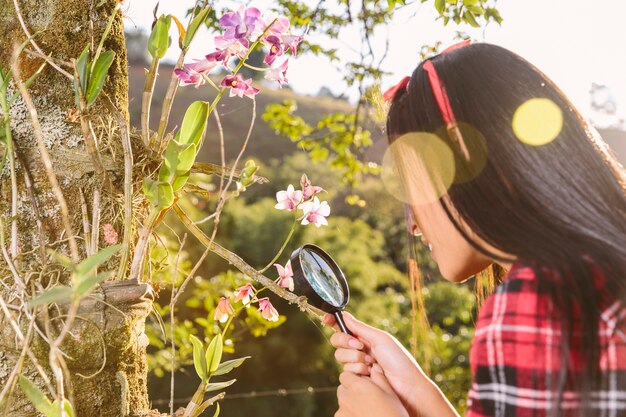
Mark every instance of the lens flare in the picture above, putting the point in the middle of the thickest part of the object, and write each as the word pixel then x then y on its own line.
pixel 537 121
pixel 467 170
pixel 418 168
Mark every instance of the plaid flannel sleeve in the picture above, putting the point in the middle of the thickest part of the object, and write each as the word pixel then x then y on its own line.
pixel 516 353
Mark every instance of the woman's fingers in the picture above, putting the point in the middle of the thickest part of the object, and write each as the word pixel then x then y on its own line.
pixel 353 356
pixel 357 368
pixel 344 340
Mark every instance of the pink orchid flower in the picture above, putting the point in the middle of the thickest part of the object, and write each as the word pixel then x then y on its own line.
pixel 223 310
pixel 195 72
pixel 285 275
pixel 308 190
pixel 276 49
pixel 241 24
pixel 238 86
pixel 267 310
pixel 278 74
pixel 292 42
pixel 235 47
pixel 280 26
pixel 288 200
pixel 219 55
pixel 244 293
pixel 315 212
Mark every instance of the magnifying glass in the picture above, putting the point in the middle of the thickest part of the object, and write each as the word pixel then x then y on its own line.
pixel 318 277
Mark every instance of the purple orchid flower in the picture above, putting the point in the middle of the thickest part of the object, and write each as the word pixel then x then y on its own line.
pixel 219 55
pixel 234 46
pixel 194 73
pixel 308 190
pixel 240 24
pixel 315 212
pixel 238 86
pixel 278 74
pixel 291 42
pixel 276 49
pixel 289 199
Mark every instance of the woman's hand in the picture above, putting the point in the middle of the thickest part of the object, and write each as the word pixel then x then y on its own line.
pixel 360 396
pixel 371 348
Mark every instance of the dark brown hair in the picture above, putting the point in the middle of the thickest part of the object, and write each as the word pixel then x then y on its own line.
pixel 553 205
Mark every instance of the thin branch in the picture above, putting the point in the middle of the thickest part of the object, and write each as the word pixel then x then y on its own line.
pixel 173 321
pixel 169 100
pixel 146 99
pixel 246 269
pixel 45 157
pixel 32 41
pixel 86 229
pixel 95 220
pixel 128 184
pixel 33 199
pixel 16 276
pixel 24 341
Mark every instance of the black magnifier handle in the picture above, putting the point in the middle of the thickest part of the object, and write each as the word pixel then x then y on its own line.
pixel 341 323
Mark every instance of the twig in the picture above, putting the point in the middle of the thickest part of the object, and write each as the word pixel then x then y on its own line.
pixel 146 99
pixel 29 352
pixel 95 220
pixel 144 235
pixel 45 157
pixel 86 230
pixel 172 321
pixel 128 185
pixel 168 101
pixel 16 276
pixel 33 199
pixel 8 388
pixel 32 41
pixel 246 269
pixel 92 146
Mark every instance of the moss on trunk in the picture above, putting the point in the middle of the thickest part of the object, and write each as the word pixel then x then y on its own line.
pixel 119 389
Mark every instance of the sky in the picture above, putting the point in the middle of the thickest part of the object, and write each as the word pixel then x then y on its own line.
pixel 574 42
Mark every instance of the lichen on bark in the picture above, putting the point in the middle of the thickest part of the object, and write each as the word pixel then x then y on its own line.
pixel 63 30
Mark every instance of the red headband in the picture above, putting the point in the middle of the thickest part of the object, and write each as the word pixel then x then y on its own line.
pixel 441 97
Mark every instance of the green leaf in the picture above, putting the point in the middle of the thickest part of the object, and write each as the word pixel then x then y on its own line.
pixel 199 361
pixel 469 18
pixel 180 182
pixel 53 295
pixel 159 37
pixel 204 406
pixel 468 3
pixel 98 76
pixel 62 259
pixel 67 407
pixel 160 193
pixel 194 123
pixel 178 160
pixel 88 265
pixel 194 25
pixel 82 71
pixel 214 353
pixel 228 366
pixel 36 396
pixel 440 5
pixel 216 386
pixel 87 285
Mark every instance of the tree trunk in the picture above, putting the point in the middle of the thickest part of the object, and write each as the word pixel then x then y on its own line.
pixel 112 321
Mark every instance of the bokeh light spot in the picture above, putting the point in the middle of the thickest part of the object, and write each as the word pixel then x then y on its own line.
pixel 418 168
pixel 537 121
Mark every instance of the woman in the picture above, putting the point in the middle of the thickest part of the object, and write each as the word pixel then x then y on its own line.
pixel 498 168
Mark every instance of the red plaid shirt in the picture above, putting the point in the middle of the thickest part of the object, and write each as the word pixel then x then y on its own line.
pixel 516 350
